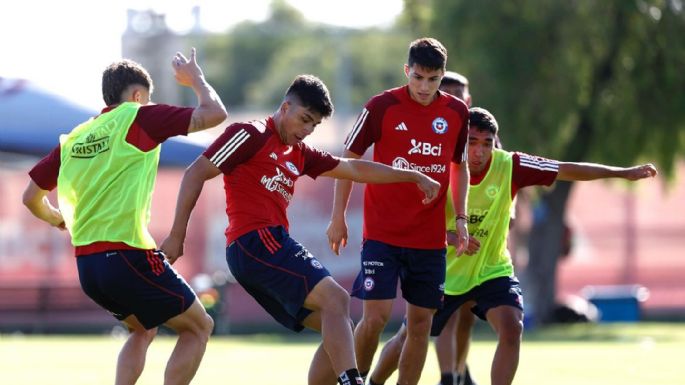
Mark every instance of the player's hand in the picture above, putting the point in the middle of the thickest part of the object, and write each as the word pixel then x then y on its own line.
pixel 57 220
pixel 640 172
pixel 473 246
pixel 186 71
pixel 452 238
pixel 172 247
pixel 429 186
pixel 462 237
pixel 337 234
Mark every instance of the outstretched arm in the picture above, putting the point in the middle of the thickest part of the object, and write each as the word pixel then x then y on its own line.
pixel 571 171
pixel 210 111
pixel 365 171
pixel 337 227
pixel 36 200
pixel 191 186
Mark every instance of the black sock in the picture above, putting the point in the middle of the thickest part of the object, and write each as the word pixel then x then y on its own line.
pixel 350 377
pixel 447 378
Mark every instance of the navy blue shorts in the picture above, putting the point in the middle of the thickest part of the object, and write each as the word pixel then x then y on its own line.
pixel 277 271
pixel 420 271
pixel 495 292
pixel 138 282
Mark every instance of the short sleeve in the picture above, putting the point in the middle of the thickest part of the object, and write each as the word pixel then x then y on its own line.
pixel 368 126
pixel 530 170
pixel 460 150
pixel 46 171
pixel 316 161
pixel 235 146
pixel 162 121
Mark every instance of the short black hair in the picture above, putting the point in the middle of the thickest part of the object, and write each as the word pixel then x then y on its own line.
pixel 452 77
pixel 428 53
pixel 120 75
pixel 483 120
pixel 312 94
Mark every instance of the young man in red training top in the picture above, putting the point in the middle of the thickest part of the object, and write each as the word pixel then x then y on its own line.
pixel 260 162
pixel 104 171
pixel 415 127
pixel 485 273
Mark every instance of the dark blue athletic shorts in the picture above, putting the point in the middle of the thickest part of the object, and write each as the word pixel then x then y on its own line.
pixel 138 282
pixel 277 271
pixel 489 294
pixel 421 273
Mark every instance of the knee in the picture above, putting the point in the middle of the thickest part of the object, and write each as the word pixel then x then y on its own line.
pixel 143 335
pixel 207 325
pixel 511 333
pixel 202 328
pixel 420 327
pixel 338 303
pixel 375 322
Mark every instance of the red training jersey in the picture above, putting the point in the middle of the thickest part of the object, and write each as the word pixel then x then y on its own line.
pixel 260 173
pixel 409 135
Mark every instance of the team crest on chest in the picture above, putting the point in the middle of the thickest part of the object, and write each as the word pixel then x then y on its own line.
pixel 292 168
pixel 439 125
pixel 491 191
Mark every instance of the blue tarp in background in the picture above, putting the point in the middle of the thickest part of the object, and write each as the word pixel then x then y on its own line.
pixel 31 120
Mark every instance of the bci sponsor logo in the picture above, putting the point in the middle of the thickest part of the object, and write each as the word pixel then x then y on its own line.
pixel 424 148
pixel 404 164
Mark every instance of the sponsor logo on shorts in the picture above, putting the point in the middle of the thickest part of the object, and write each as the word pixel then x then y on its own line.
pixel 369 284
pixel 516 292
pixel 316 264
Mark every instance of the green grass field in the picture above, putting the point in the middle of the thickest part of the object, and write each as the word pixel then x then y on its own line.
pixel 582 354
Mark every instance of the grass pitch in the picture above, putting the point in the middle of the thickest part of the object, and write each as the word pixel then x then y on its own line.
pixel 606 354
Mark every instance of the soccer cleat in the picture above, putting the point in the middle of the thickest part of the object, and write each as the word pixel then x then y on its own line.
pixel 466 378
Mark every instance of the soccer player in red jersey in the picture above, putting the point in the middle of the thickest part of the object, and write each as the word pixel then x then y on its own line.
pixel 415 127
pixel 485 274
pixel 260 162
pixel 104 171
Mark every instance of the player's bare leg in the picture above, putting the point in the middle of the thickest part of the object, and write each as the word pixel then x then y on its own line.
pixel 413 355
pixel 131 361
pixel 507 321
pixel 367 334
pixel 389 358
pixel 330 304
pixel 194 326
pixel 445 348
pixel 465 322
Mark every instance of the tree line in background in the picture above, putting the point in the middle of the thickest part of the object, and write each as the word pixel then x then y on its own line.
pixel 579 80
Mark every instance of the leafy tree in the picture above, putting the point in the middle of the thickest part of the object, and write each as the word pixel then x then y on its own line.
pixel 577 80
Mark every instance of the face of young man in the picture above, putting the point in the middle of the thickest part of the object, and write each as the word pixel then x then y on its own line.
pixel 296 122
pixel 423 83
pixel 480 147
